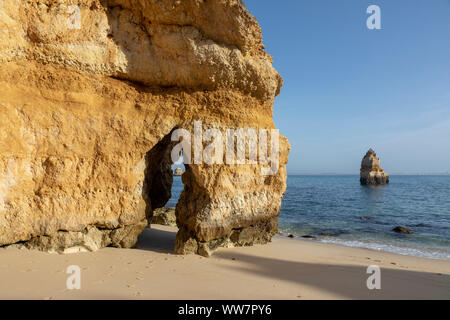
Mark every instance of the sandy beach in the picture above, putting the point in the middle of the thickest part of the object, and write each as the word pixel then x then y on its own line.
pixel 284 269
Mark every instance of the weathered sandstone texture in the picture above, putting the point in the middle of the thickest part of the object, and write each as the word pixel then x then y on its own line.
pixel 371 173
pixel 87 109
pixel 165 217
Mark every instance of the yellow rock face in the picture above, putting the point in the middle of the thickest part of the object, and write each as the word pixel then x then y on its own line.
pixel 87 109
pixel 371 172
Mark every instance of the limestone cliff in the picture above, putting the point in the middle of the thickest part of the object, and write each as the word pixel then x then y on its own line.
pixel 371 173
pixel 90 92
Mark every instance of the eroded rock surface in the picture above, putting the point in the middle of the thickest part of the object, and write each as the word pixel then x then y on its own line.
pixel 165 217
pixel 371 173
pixel 87 114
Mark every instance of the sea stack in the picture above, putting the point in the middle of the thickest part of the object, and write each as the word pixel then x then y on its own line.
pixel 371 173
pixel 178 172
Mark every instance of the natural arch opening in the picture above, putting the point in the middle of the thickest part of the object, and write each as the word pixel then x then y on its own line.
pixel 162 188
pixel 178 169
pixel 158 176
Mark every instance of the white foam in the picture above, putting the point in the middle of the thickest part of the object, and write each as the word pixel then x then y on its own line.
pixel 408 251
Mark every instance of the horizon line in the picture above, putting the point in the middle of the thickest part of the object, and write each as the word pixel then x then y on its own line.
pixel 357 174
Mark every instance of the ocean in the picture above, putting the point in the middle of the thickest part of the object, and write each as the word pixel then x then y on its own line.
pixel 337 209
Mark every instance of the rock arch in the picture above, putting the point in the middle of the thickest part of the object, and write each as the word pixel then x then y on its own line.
pixel 81 110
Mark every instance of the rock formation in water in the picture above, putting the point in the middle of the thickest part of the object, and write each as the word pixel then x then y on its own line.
pixel 178 172
pixel 371 173
pixel 404 230
pixel 89 96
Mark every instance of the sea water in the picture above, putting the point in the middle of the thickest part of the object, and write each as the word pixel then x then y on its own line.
pixel 337 209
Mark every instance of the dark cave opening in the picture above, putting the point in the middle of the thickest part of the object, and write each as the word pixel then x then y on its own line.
pixel 158 176
pixel 161 191
pixel 163 183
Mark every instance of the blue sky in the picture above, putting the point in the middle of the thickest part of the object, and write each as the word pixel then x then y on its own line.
pixel 348 88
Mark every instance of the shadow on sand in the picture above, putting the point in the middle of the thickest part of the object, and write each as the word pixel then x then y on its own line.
pixel 344 281
pixel 156 240
pixel 347 281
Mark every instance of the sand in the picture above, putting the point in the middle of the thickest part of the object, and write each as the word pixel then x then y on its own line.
pixel 285 269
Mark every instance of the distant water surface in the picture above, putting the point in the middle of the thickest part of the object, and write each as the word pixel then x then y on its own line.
pixel 337 209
